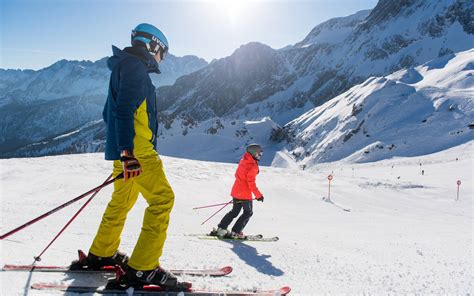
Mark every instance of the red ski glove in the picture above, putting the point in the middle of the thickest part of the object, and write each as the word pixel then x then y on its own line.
pixel 131 166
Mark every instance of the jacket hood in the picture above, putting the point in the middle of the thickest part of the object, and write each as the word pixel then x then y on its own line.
pixel 139 52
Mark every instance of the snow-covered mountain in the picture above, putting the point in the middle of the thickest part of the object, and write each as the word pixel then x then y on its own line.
pixel 63 97
pixel 260 84
pixel 412 112
pixel 251 74
pixel 258 81
pixel 333 30
pixel 61 79
pixel 79 78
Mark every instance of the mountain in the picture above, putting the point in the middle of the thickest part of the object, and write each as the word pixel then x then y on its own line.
pixel 248 76
pixel 258 81
pixel 254 82
pixel 62 97
pixel 79 78
pixel 412 112
pixel 174 67
pixel 333 30
pixel 260 84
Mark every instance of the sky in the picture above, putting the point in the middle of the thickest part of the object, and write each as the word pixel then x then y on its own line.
pixel 36 33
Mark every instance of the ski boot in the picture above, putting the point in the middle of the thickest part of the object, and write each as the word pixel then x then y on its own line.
pixel 236 235
pixel 139 279
pixel 93 262
pixel 219 232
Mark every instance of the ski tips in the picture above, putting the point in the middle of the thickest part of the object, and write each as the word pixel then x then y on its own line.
pixel 285 290
pixel 227 269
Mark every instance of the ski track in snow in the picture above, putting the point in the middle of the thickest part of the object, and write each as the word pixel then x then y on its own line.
pixel 405 233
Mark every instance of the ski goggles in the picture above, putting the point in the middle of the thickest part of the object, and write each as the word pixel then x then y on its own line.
pixel 154 46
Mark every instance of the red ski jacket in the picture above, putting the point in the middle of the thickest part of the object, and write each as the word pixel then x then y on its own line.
pixel 245 175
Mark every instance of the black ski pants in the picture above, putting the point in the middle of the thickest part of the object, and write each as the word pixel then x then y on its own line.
pixel 238 204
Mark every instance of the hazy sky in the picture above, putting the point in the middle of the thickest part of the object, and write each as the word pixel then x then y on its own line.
pixel 36 33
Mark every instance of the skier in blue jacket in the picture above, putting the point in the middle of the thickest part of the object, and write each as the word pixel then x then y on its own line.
pixel 130 114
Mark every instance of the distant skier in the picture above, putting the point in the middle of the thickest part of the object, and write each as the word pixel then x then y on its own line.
pixel 131 117
pixel 241 193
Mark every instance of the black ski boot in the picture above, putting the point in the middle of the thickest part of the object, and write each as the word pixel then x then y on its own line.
pixel 158 276
pixel 93 262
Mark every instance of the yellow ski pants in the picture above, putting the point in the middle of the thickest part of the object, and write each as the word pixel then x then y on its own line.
pixel 154 187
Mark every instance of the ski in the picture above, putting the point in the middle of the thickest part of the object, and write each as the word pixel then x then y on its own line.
pixel 214 272
pixel 252 238
pixel 156 290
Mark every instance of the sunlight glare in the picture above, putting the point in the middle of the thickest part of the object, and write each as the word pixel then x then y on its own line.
pixel 234 9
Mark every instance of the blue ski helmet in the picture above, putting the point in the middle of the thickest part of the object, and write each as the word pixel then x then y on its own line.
pixel 153 39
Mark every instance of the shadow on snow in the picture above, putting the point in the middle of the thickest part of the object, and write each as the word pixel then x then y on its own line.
pixel 252 258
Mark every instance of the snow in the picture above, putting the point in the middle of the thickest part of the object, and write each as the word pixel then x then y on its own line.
pixel 405 233
pixel 411 112
pixel 334 30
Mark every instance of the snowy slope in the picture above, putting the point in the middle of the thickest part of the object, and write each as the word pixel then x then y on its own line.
pixel 216 140
pixel 333 30
pixel 219 140
pixel 405 233
pixel 412 112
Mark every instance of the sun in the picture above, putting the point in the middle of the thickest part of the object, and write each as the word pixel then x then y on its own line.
pixel 233 9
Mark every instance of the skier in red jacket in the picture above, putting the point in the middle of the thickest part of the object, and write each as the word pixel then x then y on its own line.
pixel 242 190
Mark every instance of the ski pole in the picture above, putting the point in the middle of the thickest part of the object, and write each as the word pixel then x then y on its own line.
pixel 59 207
pixel 202 207
pixel 38 258
pixel 216 212
pixel 209 206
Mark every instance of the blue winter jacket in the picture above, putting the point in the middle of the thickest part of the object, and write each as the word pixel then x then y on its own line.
pixel 129 86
